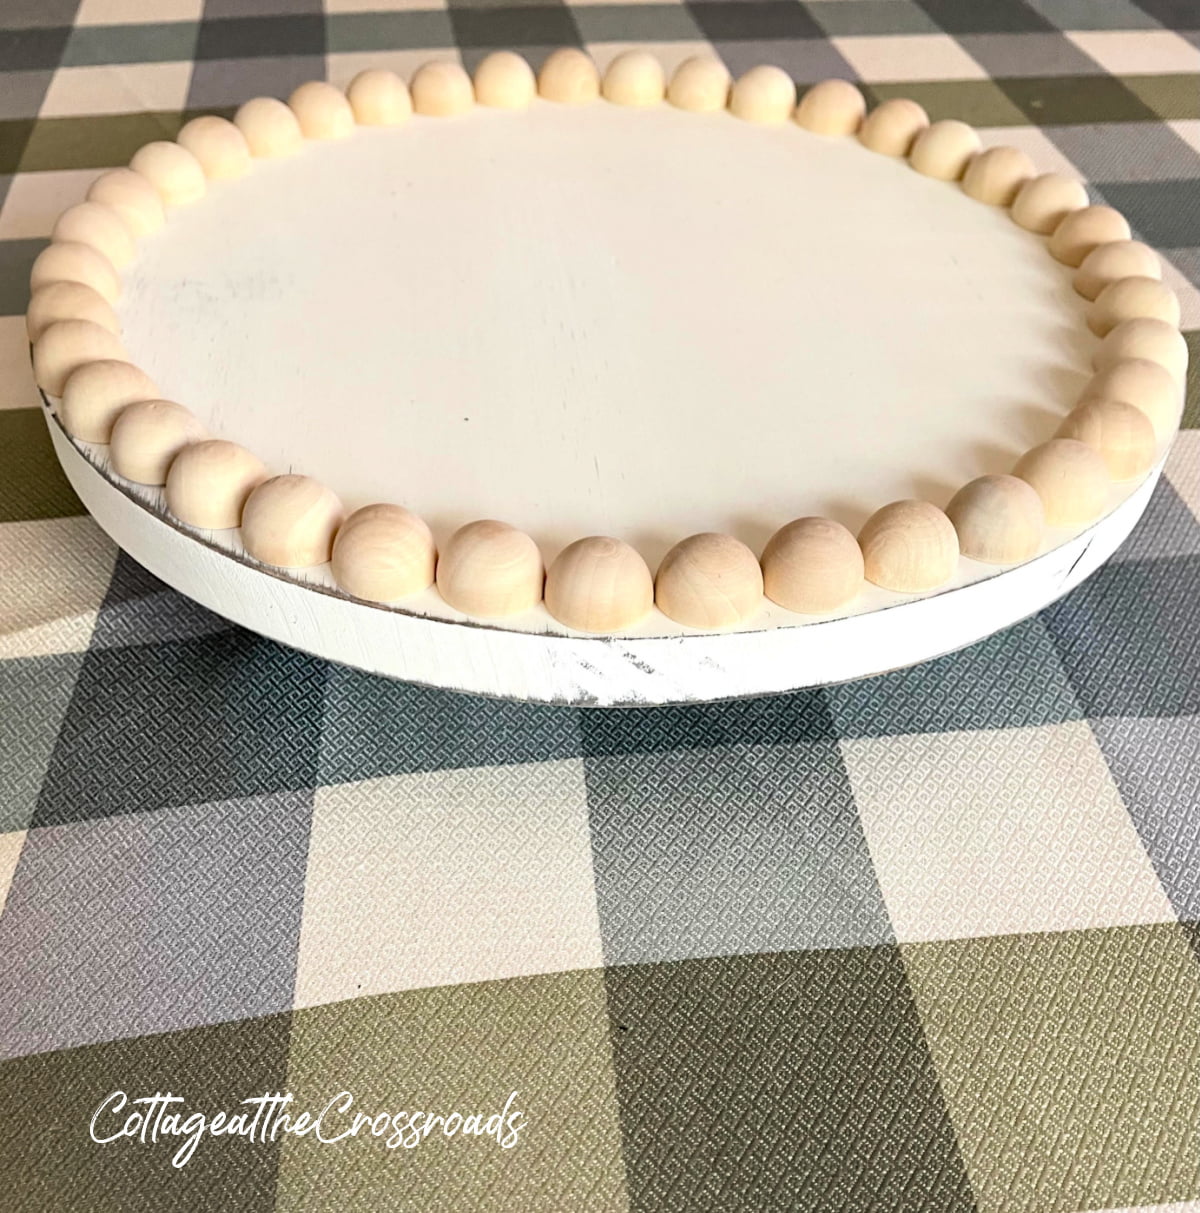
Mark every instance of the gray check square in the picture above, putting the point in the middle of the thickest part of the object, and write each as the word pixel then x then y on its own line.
pixel 1094 14
pixel 139 735
pixel 1156 765
pixel 193 918
pixel 742 848
pixel 1127 152
pixel 1162 213
pixel 1129 640
pixel 871 18
pixel 1029 54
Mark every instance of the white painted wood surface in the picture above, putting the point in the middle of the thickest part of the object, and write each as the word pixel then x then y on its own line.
pixel 591 671
pixel 597 320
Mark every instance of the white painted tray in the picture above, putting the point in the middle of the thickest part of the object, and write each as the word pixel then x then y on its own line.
pixel 597 671
pixel 605 321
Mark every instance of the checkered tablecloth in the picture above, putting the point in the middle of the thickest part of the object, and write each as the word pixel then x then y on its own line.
pixel 930 941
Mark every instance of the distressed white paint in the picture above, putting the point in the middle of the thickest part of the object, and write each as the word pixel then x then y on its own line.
pixel 588 670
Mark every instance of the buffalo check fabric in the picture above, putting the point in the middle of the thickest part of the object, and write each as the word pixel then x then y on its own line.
pixel 928 941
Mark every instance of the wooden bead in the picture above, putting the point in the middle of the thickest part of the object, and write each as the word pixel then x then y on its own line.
pixel 219 146
pixel 1153 340
pixel 569 77
pixel 503 80
pixel 1069 477
pixel 147 436
pixel 490 569
pixel 700 85
pixel 99 226
pixel 1132 299
pixel 96 394
pixel 944 150
pixel 74 262
pixel 995 176
pixel 764 94
pixel 441 90
pixel 290 521
pixel 1082 230
pixel 812 565
pixel 322 111
pixel 383 553
pixel 270 128
pixel 634 78
pixel 833 107
pixel 173 171
pixel 599 584
pixel 709 581
pixel 892 128
pixel 998 519
pixel 1119 433
pixel 909 546
pixel 66 345
pixel 379 98
pixel 208 484
pixel 68 301
pixel 1146 385
pixel 132 197
pixel 1111 262
pixel 1043 203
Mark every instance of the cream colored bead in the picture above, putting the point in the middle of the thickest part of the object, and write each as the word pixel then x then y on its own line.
pixel 322 111
pixel 383 553
pixel 995 176
pixel 1069 477
pixel 173 171
pixel 812 565
pixel 634 78
pixel 944 150
pixel 892 128
pixel 503 80
pixel 833 107
pixel 909 546
pixel 569 77
pixel 764 94
pixel 700 85
pixel 709 581
pixel 209 482
pixel 1043 203
pixel 290 521
pixel 1111 262
pixel 1146 385
pixel 599 584
pixel 68 344
pixel 998 519
pixel 147 436
pixel 379 98
pixel 132 197
pixel 1119 433
pixel 99 226
pixel 97 393
pixel 1082 230
pixel 1132 299
pixel 74 262
pixel 271 129
pixel 441 90
pixel 68 301
pixel 1153 340
pixel 490 569
pixel 219 146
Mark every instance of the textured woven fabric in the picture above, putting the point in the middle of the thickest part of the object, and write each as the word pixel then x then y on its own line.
pixel 928 941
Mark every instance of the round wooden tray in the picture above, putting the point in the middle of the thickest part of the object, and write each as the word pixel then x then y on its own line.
pixel 583 670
